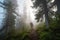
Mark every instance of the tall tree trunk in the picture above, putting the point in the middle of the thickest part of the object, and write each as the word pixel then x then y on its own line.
pixel 58 6
pixel 46 14
pixel 57 3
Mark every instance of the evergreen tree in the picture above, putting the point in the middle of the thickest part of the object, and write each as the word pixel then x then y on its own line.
pixel 9 25
pixel 42 9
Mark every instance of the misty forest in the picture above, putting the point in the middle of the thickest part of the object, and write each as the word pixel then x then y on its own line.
pixel 29 19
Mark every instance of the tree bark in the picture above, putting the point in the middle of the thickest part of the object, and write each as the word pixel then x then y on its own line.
pixel 46 14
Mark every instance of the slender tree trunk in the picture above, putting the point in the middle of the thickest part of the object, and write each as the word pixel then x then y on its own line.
pixel 46 14
pixel 57 3
pixel 58 6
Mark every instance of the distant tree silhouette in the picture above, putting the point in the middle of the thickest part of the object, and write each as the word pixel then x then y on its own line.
pixel 8 27
pixel 31 24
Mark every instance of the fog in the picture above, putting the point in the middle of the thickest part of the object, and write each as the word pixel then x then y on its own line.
pixel 25 9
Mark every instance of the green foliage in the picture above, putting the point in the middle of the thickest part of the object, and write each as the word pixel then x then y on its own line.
pixel 44 34
pixel 19 36
pixel 52 33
